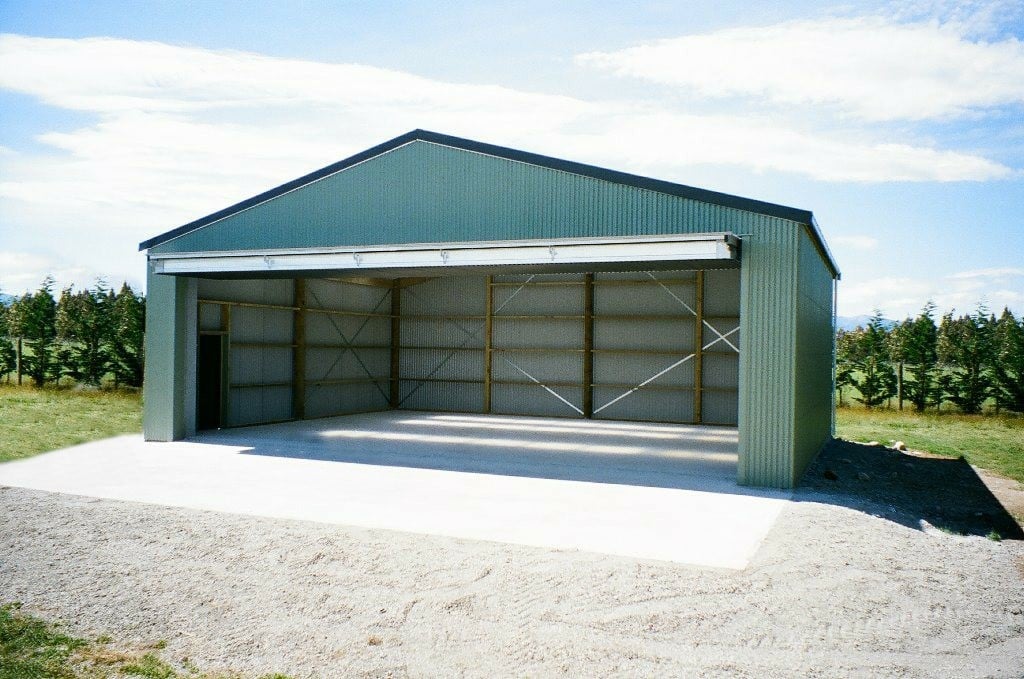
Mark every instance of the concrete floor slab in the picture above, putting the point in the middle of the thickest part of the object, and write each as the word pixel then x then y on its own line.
pixel 651 491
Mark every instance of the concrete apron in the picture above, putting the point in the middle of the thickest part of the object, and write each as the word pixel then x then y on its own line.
pixel 647 491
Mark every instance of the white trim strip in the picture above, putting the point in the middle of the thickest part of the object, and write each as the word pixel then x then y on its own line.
pixel 714 246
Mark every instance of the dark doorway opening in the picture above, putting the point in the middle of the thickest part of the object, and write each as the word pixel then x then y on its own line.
pixel 209 383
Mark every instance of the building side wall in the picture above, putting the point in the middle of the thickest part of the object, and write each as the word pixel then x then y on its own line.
pixel 166 370
pixel 814 355
pixel 767 362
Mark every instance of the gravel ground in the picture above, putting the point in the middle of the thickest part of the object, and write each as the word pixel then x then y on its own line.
pixel 834 591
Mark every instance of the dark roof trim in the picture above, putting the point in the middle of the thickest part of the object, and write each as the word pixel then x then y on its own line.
pixel 614 176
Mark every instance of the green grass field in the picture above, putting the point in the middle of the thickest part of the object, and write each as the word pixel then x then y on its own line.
pixel 995 443
pixel 34 420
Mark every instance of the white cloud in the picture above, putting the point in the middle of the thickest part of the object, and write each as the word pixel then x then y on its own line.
pixel 24 271
pixel 183 131
pixel 901 296
pixel 857 242
pixel 872 68
pixel 997 272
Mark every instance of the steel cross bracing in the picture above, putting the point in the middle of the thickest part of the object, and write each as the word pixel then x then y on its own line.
pixel 519 368
pixel 722 337
pixel 470 336
pixel 349 342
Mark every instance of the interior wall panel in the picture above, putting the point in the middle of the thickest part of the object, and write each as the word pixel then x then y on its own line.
pixel 323 400
pixel 646 405
pixel 265 291
pixel 441 351
pixel 209 316
pixel 442 396
pixel 532 399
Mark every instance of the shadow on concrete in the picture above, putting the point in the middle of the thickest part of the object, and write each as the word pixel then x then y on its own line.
pixel 660 456
pixel 908 489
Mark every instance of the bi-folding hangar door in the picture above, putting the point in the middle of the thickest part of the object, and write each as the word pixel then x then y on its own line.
pixel 659 346
pixel 512 328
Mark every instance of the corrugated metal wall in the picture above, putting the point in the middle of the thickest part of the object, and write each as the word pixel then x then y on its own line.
pixel 643 325
pixel 815 347
pixel 538 335
pixel 424 192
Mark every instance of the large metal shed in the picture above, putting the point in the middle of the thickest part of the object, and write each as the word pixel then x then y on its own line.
pixel 438 273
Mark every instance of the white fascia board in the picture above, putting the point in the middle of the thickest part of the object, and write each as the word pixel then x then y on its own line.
pixel 456 255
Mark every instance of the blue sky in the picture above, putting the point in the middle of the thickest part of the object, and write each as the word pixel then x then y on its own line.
pixel 900 124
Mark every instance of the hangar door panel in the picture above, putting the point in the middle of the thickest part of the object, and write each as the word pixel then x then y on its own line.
pixel 537 345
pixel 441 364
pixel 663 346
pixel 643 334
pixel 348 347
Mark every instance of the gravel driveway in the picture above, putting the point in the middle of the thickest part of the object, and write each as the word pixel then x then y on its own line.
pixel 832 592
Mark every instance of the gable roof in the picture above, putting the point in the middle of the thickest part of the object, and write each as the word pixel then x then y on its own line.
pixel 804 217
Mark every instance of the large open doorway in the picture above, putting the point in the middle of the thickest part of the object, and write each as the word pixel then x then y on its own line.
pixel 654 346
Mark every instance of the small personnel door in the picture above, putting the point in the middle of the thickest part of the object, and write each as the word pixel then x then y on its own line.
pixel 209 382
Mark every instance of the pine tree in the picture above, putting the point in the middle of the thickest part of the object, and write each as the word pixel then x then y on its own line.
pixel 919 352
pixel 128 330
pixel 897 341
pixel 966 350
pixel 8 356
pixel 1008 366
pixel 33 317
pixel 84 329
pixel 846 353
pixel 877 382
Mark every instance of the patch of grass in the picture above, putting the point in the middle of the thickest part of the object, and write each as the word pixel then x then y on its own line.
pixel 31 648
pixel 995 443
pixel 37 420
pixel 149 666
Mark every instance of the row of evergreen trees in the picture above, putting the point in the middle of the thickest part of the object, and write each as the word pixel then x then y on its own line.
pixel 968 361
pixel 89 336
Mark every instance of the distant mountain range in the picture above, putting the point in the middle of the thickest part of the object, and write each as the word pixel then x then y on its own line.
pixel 853 322
pixel 6 299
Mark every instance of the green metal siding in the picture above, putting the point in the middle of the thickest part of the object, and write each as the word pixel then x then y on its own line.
pixel 423 192
pixel 426 192
pixel 767 280
pixel 164 387
pixel 814 354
